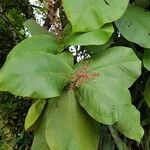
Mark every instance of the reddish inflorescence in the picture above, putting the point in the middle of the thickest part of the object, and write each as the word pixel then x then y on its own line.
pixel 82 76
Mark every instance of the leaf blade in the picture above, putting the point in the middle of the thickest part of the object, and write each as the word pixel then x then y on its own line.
pixel 129 23
pixel 34 113
pixel 35 29
pixel 74 130
pixel 116 62
pixel 111 106
pixel 32 69
pixel 88 15
pixel 96 37
pixel 105 96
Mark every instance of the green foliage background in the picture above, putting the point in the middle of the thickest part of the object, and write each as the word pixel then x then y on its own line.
pixel 13 109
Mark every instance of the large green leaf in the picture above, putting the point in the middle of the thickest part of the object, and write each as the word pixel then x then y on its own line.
pixel 69 127
pixel 109 102
pixel 119 63
pixel 38 43
pixel 96 37
pixel 134 25
pixel 35 29
pixel 102 98
pixel 36 74
pixel 34 113
pixel 146 59
pixel 88 15
pixel 147 92
pixel 105 94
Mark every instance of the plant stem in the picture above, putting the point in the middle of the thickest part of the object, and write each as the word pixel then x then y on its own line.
pixel 119 143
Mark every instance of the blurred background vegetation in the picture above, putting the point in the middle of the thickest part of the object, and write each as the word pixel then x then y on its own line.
pixel 13 109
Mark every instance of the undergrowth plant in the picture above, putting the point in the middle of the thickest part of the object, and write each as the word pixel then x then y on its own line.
pixel 73 99
pixel 12 116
